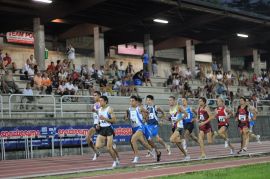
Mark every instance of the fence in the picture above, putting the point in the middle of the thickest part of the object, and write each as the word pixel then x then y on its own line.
pixel 80 106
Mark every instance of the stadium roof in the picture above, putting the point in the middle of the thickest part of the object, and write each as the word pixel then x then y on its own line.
pixel 126 21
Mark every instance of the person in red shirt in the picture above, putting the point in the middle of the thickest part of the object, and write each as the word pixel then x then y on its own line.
pixel 223 115
pixel 204 118
pixel 51 69
pixel 243 124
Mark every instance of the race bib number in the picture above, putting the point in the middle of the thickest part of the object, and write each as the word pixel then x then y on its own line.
pixel 242 117
pixel 151 116
pixel 133 115
pixel 188 116
pixel 221 118
pixel 201 117
pixel 174 119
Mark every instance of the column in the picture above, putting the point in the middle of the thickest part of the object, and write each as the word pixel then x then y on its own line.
pixel 149 47
pixel 99 47
pixel 256 61
pixel 190 50
pixel 39 43
pixel 226 58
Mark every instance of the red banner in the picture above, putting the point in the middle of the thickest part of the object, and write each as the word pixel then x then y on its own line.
pixel 20 37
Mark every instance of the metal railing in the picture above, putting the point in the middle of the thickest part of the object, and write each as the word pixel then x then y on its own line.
pixel 81 105
pixel 16 102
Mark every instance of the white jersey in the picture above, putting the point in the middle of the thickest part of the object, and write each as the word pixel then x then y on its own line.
pixel 95 113
pixel 104 112
pixel 135 117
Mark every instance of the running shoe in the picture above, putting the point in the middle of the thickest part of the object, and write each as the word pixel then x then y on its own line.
pixel 96 155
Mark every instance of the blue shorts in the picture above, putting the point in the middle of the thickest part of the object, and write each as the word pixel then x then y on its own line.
pixel 251 123
pixel 146 132
pixel 153 129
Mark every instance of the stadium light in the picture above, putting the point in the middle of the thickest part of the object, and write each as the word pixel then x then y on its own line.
pixel 242 35
pixel 161 21
pixel 44 1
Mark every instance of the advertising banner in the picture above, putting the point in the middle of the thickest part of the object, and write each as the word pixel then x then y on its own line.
pixel 20 37
pixel 42 135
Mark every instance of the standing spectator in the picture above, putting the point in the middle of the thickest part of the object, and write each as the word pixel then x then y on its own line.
pixel 145 60
pixel 214 67
pixel 154 66
pixel 121 70
pixel 71 56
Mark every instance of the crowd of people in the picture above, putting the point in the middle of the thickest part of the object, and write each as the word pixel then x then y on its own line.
pixel 145 126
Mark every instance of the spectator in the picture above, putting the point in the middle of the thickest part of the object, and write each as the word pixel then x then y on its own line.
pixel 51 69
pixel 113 68
pixel 32 60
pixel 175 84
pixel 121 70
pixel 46 84
pixel 58 66
pixel 61 89
pixel 146 78
pixel 154 66
pixel 117 86
pixel 8 64
pixel 28 96
pixel 37 80
pixel 129 69
pixel 188 74
pixel 214 67
pixel 71 56
pixel 219 76
pixel 145 60
pixel 62 75
pixel 100 72
pixel 9 85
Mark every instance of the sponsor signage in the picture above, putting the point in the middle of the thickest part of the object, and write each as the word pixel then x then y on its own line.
pixel 20 37
pixel 42 135
pixel 130 49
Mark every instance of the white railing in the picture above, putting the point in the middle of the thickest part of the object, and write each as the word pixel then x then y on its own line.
pixel 17 104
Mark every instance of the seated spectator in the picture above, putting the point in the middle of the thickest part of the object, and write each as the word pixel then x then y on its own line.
pixel 61 89
pixel 32 59
pixel 62 75
pixel 100 72
pixel 209 77
pixel 121 70
pixel 8 64
pixel 113 69
pixel 129 69
pixel 219 76
pixel 146 78
pixel 46 84
pixel 69 88
pixel 28 98
pixel 132 88
pixel 125 86
pixel 117 86
pixel 169 81
pixel 188 74
pixel 175 84
pixel 9 85
pixel 51 69
pixel 37 81
pixel 58 66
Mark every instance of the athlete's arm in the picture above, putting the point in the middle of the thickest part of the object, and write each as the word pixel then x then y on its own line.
pixel 159 109
pixel 182 111
pixel 144 112
pixel 126 117
pixel 229 113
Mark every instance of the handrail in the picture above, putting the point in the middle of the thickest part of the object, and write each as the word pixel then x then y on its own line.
pixel 22 95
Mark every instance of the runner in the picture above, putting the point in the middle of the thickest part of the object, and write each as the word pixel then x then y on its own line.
pixel 93 130
pixel 176 117
pixel 252 116
pixel 204 118
pixel 243 124
pixel 223 114
pixel 106 132
pixel 188 123
pixel 138 129
pixel 152 121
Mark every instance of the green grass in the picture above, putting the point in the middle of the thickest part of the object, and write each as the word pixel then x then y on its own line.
pixel 258 171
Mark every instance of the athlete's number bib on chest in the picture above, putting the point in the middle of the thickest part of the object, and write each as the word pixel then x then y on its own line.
pixel 221 118
pixel 242 117
pixel 133 117
pixel 174 119
pixel 201 117
pixel 151 116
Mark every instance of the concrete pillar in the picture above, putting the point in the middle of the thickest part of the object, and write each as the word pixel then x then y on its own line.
pixel 190 50
pixel 149 47
pixel 99 47
pixel 39 43
pixel 256 62
pixel 226 58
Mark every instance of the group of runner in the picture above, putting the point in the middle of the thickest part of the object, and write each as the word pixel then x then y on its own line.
pixel 145 118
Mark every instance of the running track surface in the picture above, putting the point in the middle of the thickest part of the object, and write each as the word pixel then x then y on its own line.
pixel 74 164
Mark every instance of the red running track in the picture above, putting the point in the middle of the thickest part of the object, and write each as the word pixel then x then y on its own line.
pixel 74 164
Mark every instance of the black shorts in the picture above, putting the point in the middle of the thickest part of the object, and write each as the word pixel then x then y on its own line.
pixel 189 126
pixel 106 131
pixel 180 130
pixel 227 126
pixel 97 130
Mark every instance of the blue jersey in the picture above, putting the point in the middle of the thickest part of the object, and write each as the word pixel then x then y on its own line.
pixel 250 117
pixel 189 117
pixel 152 117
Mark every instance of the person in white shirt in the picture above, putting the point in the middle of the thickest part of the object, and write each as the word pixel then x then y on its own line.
pixel 71 55
pixel 188 74
pixel 28 96
pixel 219 76
pixel 117 86
pixel 121 70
